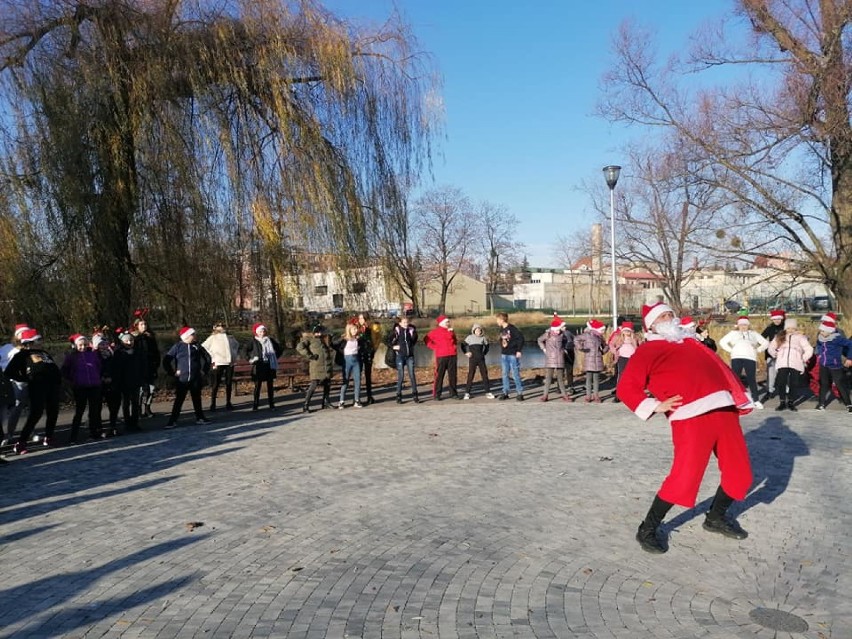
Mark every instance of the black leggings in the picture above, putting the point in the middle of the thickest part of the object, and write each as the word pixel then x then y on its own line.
pixel 270 391
pixel 44 399
pixel 787 384
pixel 87 397
pixel 826 377
pixel 749 368
pixel 474 365
pixel 216 375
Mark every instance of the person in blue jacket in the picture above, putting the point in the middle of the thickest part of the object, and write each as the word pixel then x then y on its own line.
pixel 831 349
pixel 189 364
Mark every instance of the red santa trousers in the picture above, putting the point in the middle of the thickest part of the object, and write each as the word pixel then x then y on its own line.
pixel 694 439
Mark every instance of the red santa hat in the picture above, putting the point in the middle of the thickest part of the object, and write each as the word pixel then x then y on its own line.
pixel 828 323
pixel 777 314
pixel 687 322
pixel 257 327
pixel 650 313
pixel 442 319
pixel 742 320
pixel 627 326
pixel 557 323
pixel 76 337
pixel 29 335
pixel 20 328
pixel 185 333
pixel 596 325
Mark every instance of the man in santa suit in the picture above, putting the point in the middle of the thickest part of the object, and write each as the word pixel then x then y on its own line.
pixel 703 401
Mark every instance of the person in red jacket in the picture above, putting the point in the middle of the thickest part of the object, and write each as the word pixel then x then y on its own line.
pixel 672 373
pixel 442 340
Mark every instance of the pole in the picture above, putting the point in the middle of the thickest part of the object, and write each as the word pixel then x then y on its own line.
pixel 612 248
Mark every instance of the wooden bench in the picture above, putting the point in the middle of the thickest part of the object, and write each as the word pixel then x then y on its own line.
pixel 289 367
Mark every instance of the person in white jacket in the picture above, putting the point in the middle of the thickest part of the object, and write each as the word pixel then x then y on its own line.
pixel 744 344
pixel 223 350
pixel 791 351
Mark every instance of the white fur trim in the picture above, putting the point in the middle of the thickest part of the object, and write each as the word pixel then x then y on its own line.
pixel 655 312
pixel 646 408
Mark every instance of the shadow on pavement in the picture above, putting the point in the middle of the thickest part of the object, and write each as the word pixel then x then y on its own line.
pixel 50 593
pixel 773 449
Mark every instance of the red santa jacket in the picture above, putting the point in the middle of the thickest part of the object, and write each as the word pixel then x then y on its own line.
pixel 685 368
pixel 442 341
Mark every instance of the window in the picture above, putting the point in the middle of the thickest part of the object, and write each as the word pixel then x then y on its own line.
pixel 359 287
pixel 320 290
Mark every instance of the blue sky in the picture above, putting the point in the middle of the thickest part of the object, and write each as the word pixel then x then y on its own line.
pixel 520 84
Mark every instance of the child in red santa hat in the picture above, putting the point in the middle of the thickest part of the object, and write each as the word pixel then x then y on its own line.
pixel 591 343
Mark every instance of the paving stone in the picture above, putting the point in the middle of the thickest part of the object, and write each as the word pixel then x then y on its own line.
pixel 469 519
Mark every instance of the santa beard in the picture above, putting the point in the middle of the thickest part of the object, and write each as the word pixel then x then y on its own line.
pixel 671 331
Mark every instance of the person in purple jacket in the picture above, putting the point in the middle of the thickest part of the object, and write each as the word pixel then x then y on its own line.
pixel 82 370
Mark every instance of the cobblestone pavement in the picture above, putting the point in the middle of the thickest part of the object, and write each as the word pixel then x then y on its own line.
pixel 445 519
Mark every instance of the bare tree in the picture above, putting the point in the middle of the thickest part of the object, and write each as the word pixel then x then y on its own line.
pixel 444 229
pixel 782 151
pixel 572 252
pixel 495 243
pixel 664 216
pixel 139 130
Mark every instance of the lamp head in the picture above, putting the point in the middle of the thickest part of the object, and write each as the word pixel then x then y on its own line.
pixel 611 174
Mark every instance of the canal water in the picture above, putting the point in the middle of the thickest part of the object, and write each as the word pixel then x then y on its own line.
pixel 532 356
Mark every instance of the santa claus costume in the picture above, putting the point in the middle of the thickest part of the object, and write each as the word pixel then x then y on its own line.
pixel 702 399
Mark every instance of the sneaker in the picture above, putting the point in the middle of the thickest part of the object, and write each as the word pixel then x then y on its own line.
pixel 781 406
pixel 520 398
pixel 567 398
pixel 727 527
pixel 849 409
pixel 169 425
pixel 19 449
pixel 543 398
pixel 489 395
pixel 340 406
pixel 758 405
pixel 792 407
pixel 820 407
pixel 467 396
pixel 203 421
pixel 357 405
pixel 503 397
pixel 47 442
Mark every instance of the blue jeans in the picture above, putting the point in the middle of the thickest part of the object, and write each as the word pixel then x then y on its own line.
pixel 401 364
pixel 351 370
pixel 513 364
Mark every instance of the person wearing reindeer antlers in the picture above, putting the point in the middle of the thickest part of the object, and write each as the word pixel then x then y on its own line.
pixel 671 373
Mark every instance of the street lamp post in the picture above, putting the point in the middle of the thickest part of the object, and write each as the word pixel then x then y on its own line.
pixel 611 174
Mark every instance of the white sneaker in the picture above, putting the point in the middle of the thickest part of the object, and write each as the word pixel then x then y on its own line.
pixel 357 405
pixel 467 396
pixel 489 395
pixel 758 405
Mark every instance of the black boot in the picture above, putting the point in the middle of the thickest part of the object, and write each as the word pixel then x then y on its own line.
pixel 717 522
pixel 306 407
pixel 647 533
pixel 399 398
pixel 791 406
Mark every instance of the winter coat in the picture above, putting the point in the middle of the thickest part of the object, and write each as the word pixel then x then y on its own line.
pixel 262 370
pixel 82 369
pixel 552 344
pixel 443 341
pixel 223 349
pixel 146 343
pixel 190 360
pixel 622 346
pixel 592 345
pixel 129 367
pixel 476 345
pixel 831 349
pixel 511 340
pixel 770 333
pixel 7 352
pixel 320 355
pixel 743 344
pixel 793 353
pixel 34 366
pixel 405 339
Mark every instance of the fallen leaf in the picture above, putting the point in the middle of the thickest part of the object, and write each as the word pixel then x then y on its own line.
pixel 192 525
